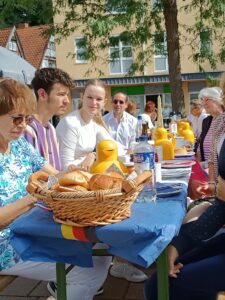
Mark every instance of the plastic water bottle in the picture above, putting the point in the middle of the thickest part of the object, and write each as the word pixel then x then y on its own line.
pixel 144 160
pixel 139 126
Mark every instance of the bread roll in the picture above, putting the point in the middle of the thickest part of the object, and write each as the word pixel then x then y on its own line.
pixel 104 182
pixel 75 177
pixel 115 174
pixel 180 151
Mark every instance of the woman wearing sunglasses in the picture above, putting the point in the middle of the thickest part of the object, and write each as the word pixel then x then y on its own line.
pixel 18 160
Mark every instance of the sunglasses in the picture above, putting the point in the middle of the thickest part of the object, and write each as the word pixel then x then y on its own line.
pixel 115 101
pixel 17 120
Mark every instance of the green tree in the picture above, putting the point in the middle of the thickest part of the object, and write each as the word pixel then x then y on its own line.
pixel 145 23
pixel 34 12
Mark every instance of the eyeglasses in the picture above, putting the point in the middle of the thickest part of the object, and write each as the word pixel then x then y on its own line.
pixel 115 101
pixel 17 120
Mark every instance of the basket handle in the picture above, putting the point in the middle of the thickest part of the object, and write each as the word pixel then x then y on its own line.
pixel 34 181
pixel 128 185
pixel 99 195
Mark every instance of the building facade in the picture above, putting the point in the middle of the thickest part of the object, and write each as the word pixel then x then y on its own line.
pixel 141 87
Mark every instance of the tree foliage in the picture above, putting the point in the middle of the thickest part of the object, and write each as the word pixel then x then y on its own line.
pixel 34 12
pixel 98 20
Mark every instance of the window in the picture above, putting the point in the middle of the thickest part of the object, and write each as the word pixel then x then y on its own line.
pixel 160 49
pixel 50 51
pixel 120 53
pixel 116 7
pixel 46 63
pixel 205 42
pixel 13 46
pixel 81 50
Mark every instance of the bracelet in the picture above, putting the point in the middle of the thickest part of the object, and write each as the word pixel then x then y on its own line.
pixel 212 182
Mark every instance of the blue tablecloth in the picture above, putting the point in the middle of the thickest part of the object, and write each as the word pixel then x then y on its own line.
pixel 139 239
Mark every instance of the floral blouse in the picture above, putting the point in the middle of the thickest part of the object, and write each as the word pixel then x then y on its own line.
pixel 15 169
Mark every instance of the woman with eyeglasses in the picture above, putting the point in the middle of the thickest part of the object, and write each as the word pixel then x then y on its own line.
pixel 81 130
pixel 212 101
pixel 18 160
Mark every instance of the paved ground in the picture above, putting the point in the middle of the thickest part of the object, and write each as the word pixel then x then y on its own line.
pixel 114 289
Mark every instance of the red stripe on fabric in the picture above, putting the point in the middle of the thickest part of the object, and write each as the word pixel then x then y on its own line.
pixel 79 233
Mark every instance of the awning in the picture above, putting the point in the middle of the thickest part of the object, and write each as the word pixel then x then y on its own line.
pixel 132 80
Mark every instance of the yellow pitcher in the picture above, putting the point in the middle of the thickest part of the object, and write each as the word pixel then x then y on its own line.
pixel 161 137
pixel 185 130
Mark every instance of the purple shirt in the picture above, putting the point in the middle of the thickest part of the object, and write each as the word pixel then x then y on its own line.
pixel 43 138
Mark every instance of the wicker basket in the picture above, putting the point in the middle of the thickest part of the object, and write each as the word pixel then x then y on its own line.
pixel 89 208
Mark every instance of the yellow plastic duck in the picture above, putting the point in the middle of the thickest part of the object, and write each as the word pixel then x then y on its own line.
pixel 161 139
pixel 185 130
pixel 107 157
pixel 161 136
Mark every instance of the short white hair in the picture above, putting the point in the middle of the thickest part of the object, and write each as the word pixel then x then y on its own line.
pixel 214 93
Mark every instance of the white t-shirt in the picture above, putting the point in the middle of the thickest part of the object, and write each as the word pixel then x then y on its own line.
pixel 77 139
pixel 123 132
pixel 196 122
pixel 146 118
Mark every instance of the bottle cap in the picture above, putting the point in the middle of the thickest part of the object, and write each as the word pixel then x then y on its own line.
pixel 143 138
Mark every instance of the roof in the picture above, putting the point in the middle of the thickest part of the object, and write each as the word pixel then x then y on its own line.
pixel 4 36
pixel 33 43
pixel 14 66
pixel 132 80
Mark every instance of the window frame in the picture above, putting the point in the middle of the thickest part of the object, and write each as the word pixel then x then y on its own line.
pixel 121 58
pixel 113 11
pixel 13 46
pixel 207 44
pixel 161 56
pixel 79 61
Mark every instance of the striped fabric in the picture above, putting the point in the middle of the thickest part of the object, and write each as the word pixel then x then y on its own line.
pixel 84 234
pixel 207 142
pixel 43 138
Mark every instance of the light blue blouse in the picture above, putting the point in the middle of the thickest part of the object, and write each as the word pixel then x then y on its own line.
pixel 15 169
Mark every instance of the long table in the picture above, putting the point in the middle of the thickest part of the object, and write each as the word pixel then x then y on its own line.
pixel 146 234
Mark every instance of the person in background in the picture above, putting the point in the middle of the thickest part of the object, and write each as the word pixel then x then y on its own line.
pixel 212 100
pixel 131 107
pixel 197 115
pixel 81 130
pixel 19 160
pixel 122 125
pixel 150 114
pixel 52 88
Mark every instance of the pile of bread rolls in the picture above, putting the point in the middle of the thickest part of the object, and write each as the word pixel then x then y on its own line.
pixel 84 181
pixel 180 151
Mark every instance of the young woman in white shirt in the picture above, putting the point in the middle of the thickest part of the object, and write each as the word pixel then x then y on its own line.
pixel 81 130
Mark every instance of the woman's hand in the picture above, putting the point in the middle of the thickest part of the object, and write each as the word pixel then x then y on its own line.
pixel 88 161
pixel 174 269
pixel 206 190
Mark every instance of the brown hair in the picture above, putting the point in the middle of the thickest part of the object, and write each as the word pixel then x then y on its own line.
pixel 131 107
pixel 45 78
pixel 15 95
pixel 95 82
pixel 98 117
pixel 196 103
